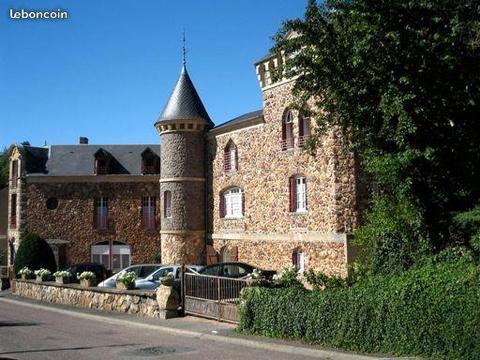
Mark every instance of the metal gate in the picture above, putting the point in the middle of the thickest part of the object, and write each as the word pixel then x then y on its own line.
pixel 214 297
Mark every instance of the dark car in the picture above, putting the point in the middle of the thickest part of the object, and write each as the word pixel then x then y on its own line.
pixel 233 270
pixel 99 270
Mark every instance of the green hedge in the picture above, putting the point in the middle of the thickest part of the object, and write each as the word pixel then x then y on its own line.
pixel 432 311
pixel 34 253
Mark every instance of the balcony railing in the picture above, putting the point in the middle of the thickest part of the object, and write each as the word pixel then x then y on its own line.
pixel 303 140
pixel 287 144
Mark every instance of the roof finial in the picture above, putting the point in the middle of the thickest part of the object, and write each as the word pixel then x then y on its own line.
pixel 184 49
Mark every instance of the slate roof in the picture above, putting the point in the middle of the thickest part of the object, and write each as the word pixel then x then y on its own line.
pixel 240 119
pixel 79 160
pixel 184 102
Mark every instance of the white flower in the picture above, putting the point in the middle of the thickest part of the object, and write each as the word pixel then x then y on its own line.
pixel 86 275
pixel 25 271
pixel 42 272
pixel 62 274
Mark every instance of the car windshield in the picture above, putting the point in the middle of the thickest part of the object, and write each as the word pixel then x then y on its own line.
pixel 161 273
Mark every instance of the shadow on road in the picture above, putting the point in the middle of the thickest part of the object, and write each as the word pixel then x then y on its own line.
pixel 65 349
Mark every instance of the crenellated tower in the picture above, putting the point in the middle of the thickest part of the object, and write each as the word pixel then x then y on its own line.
pixel 182 127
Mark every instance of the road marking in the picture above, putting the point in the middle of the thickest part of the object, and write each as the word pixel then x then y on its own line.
pixel 287 349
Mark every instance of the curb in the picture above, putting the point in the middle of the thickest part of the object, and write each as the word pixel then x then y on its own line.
pixel 288 349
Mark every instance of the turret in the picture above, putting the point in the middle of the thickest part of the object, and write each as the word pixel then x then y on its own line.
pixel 182 126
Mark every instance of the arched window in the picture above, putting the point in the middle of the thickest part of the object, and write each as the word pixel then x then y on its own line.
pixel 298 260
pixel 167 204
pixel 303 129
pixel 232 203
pixel 287 130
pixel 230 162
pixel 298 193
pixel 113 255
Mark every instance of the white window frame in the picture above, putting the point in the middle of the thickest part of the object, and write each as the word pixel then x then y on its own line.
pixel 300 261
pixel 300 194
pixel 233 203
pixel 104 250
pixel 233 157
pixel 149 203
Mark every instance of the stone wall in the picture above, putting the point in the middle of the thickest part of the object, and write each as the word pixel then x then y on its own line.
pixel 263 174
pixel 136 302
pixel 72 220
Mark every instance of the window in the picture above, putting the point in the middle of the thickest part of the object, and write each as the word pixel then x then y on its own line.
pixel 148 209
pixel 287 130
pixel 167 204
pixel 101 213
pixel 303 129
pixel 298 260
pixel 14 173
pixel 232 203
pixel 298 194
pixel 52 203
pixel 230 157
pixel 114 256
pixel 13 211
pixel 261 74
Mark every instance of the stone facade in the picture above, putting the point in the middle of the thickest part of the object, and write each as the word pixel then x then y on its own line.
pixel 135 302
pixel 268 233
pixel 72 220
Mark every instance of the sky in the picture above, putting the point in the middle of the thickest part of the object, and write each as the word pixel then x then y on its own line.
pixel 107 71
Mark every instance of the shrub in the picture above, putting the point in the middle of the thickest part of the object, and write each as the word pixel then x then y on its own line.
pixel 34 253
pixel 288 278
pixel 432 311
pixel 127 278
pixel 86 275
pixel 26 272
pixel 62 274
pixel 321 281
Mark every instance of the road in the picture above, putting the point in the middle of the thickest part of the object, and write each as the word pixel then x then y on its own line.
pixel 29 331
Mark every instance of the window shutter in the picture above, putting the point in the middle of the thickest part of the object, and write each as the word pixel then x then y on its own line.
pixel 294 260
pixel 306 195
pixel 301 125
pixel 243 202
pixel 94 213
pixel 292 193
pixel 222 205
pixel 236 158
pixel 284 131
pixel 226 159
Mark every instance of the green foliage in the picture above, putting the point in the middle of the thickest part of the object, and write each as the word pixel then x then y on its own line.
pixel 4 168
pixel 3 257
pixel 320 281
pixel 429 311
pixel 34 253
pixel 403 79
pixel 288 277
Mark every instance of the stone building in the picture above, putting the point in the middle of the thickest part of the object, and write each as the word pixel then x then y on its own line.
pixel 246 190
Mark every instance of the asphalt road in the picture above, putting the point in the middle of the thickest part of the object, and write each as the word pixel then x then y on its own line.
pixel 29 332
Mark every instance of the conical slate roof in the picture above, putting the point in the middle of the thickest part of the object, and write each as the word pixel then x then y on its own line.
pixel 184 103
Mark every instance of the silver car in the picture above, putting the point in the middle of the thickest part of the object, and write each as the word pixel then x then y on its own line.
pixel 141 271
pixel 152 281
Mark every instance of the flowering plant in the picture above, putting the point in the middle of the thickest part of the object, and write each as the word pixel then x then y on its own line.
pixel 86 275
pixel 256 274
pixel 257 278
pixel 25 271
pixel 288 277
pixel 62 274
pixel 42 272
pixel 127 278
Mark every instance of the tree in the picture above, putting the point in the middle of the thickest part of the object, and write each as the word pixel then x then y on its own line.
pixel 35 253
pixel 4 162
pixel 402 78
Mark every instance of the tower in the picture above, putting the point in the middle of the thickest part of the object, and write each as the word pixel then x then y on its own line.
pixel 182 126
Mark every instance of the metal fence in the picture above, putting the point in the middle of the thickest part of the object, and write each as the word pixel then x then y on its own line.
pixel 212 296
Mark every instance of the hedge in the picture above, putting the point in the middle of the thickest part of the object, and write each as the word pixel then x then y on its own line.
pixel 34 253
pixel 430 311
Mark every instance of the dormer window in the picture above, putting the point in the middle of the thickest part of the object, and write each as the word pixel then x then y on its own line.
pixel 150 162
pixel 230 163
pixel 102 162
pixel 287 130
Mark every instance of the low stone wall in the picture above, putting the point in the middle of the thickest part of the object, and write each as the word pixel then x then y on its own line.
pixel 137 302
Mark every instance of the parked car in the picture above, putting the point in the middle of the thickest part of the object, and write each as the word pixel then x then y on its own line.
pixel 100 272
pixel 236 270
pixel 141 271
pixel 153 280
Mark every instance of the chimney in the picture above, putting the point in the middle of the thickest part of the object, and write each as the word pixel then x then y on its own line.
pixel 83 140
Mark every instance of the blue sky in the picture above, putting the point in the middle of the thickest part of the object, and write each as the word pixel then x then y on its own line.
pixel 107 71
